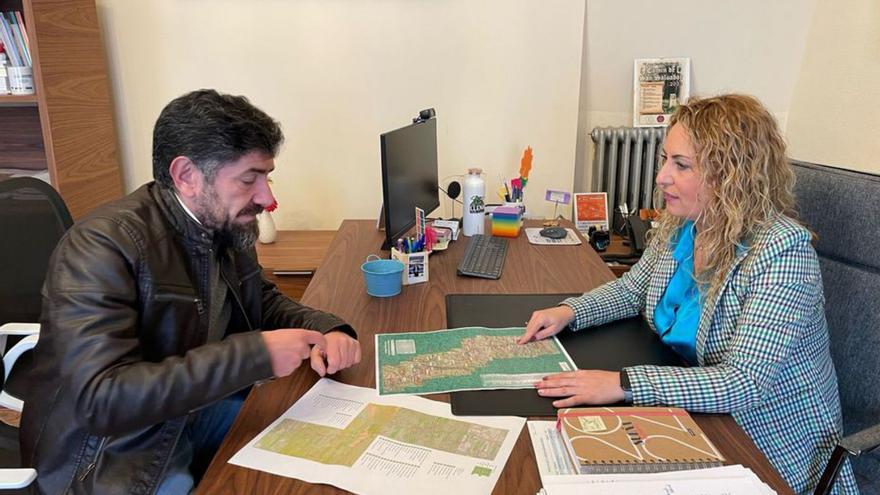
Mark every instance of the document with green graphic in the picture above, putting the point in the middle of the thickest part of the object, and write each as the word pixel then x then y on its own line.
pixel 468 358
pixel 351 438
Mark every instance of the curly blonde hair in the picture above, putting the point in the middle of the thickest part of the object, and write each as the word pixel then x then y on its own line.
pixel 741 159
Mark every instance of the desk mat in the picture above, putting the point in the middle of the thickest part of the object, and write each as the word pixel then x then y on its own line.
pixel 607 347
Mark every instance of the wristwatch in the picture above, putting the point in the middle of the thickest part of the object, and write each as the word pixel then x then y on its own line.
pixel 627 388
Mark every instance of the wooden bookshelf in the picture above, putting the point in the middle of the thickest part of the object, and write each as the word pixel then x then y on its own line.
pixel 67 127
pixel 18 100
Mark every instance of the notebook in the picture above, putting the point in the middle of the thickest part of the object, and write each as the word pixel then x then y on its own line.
pixel 603 440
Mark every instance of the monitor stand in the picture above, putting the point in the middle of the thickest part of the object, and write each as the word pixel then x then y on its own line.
pixel 380 223
pixel 380 226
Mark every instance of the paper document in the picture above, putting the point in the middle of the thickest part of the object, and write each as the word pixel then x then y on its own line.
pixel 351 438
pixel 550 452
pixel 558 478
pixel 469 358
pixel 533 234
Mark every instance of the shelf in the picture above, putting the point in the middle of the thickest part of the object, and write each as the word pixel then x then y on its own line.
pixel 67 127
pixel 18 100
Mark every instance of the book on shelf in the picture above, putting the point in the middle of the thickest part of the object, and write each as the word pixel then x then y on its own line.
pixel 603 440
pixel 13 37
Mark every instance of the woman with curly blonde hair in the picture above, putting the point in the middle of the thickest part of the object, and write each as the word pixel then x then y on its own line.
pixel 731 282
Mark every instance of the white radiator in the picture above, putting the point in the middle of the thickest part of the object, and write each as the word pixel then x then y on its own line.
pixel 625 161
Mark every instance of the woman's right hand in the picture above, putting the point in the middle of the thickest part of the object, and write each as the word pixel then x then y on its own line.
pixel 546 323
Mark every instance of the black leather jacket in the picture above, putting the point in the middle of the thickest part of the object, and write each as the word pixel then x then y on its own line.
pixel 122 358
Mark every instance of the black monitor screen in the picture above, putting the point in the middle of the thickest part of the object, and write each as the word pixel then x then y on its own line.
pixel 409 176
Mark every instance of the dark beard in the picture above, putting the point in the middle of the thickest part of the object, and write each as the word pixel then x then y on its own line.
pixel 236 236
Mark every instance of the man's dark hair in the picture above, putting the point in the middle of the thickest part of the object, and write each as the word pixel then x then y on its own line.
pixel 210 128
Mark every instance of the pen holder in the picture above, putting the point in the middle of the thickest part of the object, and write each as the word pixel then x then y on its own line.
pixel 506 221
pixel 415 266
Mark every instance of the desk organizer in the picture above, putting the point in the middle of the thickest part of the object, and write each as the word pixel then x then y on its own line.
pixel 506 221
pixel 415 266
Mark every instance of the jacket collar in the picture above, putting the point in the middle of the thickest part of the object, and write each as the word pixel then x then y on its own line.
pixel 183 223
pixel 667 264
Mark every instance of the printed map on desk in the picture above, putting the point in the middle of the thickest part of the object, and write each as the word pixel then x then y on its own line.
pixel 351 438
pixel 468 358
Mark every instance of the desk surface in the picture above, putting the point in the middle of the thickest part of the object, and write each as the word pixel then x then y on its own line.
pixel 338 287
pixel 295 250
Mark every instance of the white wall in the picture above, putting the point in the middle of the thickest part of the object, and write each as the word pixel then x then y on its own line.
pixel 502 74
pixel 834 114
pixel 747 46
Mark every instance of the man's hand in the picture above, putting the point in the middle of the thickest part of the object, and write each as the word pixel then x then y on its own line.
pixel 582 387
pixel 289 346
pixel 546 323
pixel 341 351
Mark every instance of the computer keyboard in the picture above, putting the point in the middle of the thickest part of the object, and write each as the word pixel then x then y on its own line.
pixel 483 257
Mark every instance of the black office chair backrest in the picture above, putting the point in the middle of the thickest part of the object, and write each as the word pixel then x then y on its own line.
pixel 33 218
pixel 842 207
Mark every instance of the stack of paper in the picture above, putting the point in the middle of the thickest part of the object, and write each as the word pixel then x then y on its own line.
pixel 558 474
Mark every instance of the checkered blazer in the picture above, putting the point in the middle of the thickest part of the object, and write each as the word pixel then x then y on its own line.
pixel 762 348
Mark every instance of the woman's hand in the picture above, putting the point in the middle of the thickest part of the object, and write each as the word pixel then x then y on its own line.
pixel 582 387
pixel 546 323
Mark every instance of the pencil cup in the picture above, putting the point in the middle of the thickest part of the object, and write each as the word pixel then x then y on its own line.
pixel 517 204
pixel 21 80
pixel 415 266
pixel 382 277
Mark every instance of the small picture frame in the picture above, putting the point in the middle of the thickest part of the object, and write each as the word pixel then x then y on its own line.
pixel 591 210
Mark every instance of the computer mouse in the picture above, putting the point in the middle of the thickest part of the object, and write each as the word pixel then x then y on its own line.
pixel 554 232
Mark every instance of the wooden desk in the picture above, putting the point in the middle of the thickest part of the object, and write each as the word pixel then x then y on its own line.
pixel 618 247
pixel 339 287
pixel 292 260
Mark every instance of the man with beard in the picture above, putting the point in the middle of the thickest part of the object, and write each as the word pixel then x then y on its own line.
pixel 157 320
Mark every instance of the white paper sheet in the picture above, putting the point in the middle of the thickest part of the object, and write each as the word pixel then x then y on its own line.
pixel 352 438
pixel 550 452
pixel 557 480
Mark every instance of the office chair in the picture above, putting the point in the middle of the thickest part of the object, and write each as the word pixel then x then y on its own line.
pixel 33 218
pixel 836 204
pixel 12 477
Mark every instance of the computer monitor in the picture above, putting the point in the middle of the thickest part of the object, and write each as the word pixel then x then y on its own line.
pixel 409 176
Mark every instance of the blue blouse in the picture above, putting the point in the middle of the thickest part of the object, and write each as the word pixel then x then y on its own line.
pixel 677 316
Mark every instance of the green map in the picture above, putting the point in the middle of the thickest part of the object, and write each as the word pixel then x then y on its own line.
pixel 329 445
pixel 470 358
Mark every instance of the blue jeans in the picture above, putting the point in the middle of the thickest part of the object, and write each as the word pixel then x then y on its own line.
pixel 198 443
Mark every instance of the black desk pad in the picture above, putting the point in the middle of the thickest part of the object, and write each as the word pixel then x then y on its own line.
pixel 607 347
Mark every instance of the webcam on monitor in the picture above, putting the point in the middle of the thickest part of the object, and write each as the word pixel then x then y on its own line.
pixel 424 115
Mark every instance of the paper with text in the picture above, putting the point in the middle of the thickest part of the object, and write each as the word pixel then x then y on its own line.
pixel 351 438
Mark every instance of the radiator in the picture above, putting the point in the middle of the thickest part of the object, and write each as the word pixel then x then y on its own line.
pixel 625 161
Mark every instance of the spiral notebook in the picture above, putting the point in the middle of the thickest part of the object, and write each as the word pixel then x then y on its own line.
pixel 604 440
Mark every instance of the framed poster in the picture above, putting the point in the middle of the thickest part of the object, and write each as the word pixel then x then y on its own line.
pixel 659 86
pixel 591 210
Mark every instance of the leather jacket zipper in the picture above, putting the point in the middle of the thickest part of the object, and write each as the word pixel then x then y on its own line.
pixel 169 296
pixel 94 462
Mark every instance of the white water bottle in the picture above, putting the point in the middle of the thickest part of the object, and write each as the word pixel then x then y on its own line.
pixel 474 192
